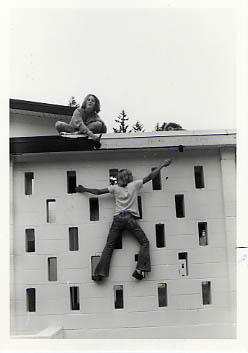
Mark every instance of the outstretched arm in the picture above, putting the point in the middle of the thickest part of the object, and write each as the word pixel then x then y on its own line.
pixel 155 172
pixel 81 188
pixel 77 122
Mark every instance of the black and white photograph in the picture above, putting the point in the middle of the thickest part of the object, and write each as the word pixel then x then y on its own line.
pixel 122 173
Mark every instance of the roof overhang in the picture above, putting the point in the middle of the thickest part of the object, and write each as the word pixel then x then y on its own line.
pixel 46 108
pixel 128 141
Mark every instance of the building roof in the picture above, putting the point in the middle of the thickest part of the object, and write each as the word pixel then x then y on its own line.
pixel 40 107
pixel 127 141
pixel 181 139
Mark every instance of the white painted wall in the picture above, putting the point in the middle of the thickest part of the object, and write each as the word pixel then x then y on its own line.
pixel 185 316
pixel 29 123
pixel 11 247
pixel 228 170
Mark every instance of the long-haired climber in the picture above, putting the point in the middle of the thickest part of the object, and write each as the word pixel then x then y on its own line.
pixel 125 218
pixel 85 120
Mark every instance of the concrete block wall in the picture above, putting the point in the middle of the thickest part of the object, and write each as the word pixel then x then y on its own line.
pixel 11 247
pixel 185 316
pixel 228 170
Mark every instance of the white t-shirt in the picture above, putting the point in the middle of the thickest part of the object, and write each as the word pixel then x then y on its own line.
pixel 126 197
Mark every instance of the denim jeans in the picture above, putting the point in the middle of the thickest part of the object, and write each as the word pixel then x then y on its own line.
pixel 96 127
pixel 121 222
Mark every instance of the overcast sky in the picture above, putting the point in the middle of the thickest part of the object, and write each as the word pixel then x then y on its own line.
pixel 157 64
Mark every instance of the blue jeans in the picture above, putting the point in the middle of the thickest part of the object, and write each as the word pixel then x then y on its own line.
pixel 124 221
pixel 97 127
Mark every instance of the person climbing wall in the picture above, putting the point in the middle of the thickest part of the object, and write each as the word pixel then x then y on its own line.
pixel 125 218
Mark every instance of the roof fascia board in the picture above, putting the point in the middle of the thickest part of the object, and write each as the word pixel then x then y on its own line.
pixel 40 144
pixel 40 107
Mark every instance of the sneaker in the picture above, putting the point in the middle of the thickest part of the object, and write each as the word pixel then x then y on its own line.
pixel 97 142
pixel 74 134
pixel 137 275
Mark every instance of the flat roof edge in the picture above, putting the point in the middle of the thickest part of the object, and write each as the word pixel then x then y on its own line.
pixel 155 134
pixel 40 107
pixel 41 144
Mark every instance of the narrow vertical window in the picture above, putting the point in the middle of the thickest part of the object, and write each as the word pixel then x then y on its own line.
pixel 206 292
pixel 74 296
pixel 51 211
pixel 118 295
pixel 203 233
pixel 199 177
pixel 140 207
pixel 29 179
pixel 73 238
pixel 30 299
pixel 30 240
pixel 71 181
pixel 94 263
pixel 162 294
pixel 156 182
pixel 179 201
pixel 94 209
pixel 160 240
pixel 113 173
pixel 183 264
pixel 52 269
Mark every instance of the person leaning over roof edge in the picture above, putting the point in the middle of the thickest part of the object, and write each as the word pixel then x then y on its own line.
pixel 125 215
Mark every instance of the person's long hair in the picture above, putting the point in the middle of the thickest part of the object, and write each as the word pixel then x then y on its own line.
pixel 97 103
pixel 124 177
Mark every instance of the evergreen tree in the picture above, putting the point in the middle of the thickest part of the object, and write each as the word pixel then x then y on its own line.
pixel 138 127
pixel 168 126
pixel 121 120
pixel 73 103
pixel 160 127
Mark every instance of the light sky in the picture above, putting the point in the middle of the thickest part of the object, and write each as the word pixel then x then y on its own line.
pixel 170 64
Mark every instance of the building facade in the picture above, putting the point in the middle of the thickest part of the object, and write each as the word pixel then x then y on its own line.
pixel 57 235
